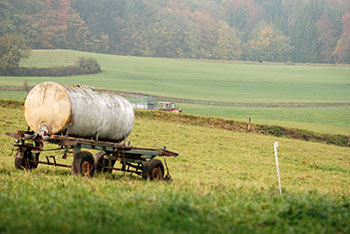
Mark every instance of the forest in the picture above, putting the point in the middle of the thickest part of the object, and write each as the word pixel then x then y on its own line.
pixel 301 31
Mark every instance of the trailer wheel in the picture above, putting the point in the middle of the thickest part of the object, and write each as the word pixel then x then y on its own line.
pixel 153 170
pixel 101 163
pixel 24 158
pixel 83 164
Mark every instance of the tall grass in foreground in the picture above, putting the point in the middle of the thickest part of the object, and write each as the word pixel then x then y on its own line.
pixel 48 203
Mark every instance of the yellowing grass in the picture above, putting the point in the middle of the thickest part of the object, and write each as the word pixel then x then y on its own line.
pixel 212 156
pixel 223 182
pixel 219 157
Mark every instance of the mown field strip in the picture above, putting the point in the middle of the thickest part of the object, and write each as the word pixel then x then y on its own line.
pixel 143 96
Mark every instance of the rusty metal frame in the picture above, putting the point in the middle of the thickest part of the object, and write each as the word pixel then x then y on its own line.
pixel 126 154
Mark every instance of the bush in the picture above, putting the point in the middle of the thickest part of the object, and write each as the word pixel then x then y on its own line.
pixel 82 66
pixel 88 65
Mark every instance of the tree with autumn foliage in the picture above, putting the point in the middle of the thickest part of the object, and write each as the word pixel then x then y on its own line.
pixel 327 38
pixel 229 44
pixel 342 50
pixel 275 30
pixel 268 44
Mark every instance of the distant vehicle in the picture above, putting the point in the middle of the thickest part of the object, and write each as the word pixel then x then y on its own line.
pixel 170 107
pixel 144 106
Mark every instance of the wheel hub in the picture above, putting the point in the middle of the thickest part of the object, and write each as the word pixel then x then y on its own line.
pixel 85 169
pixel 156 173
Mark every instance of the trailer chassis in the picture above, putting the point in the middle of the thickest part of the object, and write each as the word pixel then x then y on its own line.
pixel 140 161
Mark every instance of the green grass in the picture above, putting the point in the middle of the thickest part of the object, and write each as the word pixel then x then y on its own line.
pixel 223 182
pixel 216 81
pixel 52 204
pixel 334 120
pixel 21 95
pixel 202 79
pixel 240 126
pixel 53 58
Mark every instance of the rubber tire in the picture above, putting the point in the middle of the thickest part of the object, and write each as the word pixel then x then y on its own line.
pixel 100 162
pixel 149 167
pixel 21 157
pixel 80 161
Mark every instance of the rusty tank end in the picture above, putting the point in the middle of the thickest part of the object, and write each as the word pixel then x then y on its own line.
pixel 78 111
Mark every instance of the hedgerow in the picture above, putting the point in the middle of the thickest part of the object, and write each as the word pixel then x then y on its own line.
pixel 81 67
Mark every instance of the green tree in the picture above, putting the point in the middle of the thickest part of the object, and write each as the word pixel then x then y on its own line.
pixel 304 33
pixel 12 50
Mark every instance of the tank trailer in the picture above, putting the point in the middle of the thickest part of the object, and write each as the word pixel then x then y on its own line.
pixel 78 118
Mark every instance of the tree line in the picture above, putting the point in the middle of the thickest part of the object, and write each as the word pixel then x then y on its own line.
pixel 259 30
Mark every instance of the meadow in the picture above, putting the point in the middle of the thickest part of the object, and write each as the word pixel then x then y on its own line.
pixel 232 82
pixel 223 182
pixel 329 119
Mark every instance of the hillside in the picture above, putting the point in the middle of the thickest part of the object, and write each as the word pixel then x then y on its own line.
pixel 300 96
pixel 223 181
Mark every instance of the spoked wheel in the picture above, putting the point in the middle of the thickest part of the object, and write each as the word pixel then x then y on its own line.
pixel 101 163
pixel 83 164
pixel 25 159
pixel 153 170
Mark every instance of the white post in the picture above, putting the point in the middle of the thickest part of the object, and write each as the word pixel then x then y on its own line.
pixel 275 145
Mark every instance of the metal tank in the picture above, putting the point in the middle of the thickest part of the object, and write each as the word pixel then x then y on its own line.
pixel 52 108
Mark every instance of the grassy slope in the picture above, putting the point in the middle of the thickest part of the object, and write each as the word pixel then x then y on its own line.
pixel 223 182
pixel 205 80
pixel 334 120
pixel 253 83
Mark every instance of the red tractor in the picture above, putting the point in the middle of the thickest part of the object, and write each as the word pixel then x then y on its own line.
pixel 170 107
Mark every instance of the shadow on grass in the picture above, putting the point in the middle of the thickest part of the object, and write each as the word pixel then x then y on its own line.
pixel 5 171
pixel 118 176
pixel 67 172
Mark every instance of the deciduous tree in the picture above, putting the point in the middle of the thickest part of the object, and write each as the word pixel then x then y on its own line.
pixel 12 51
pixel 326 32
pixel 228 42
pixel 269 45
pixel 342 51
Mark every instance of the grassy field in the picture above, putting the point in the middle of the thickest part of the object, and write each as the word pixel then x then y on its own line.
pixel 334 120
pixel 203 80
pixel 215 81
pixel 224 182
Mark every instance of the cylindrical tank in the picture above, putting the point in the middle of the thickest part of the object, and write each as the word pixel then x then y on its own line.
pixel 79 110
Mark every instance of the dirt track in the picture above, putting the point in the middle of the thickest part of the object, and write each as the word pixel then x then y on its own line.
pixel 217 103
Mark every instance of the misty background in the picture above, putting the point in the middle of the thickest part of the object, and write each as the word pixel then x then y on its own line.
pixel 316 31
